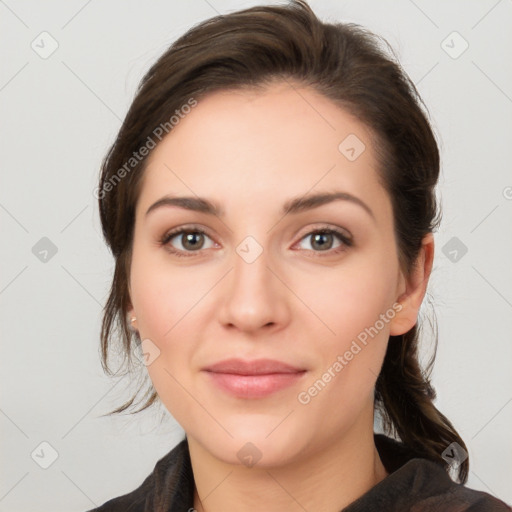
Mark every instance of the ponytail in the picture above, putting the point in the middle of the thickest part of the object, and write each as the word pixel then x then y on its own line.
pixel 404 397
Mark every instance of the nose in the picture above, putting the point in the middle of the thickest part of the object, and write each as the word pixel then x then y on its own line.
pixel 252 297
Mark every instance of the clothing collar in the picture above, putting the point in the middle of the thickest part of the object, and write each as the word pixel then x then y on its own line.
pixel 409 478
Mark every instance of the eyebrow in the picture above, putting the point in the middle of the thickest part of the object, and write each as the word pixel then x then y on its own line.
pixel 295 205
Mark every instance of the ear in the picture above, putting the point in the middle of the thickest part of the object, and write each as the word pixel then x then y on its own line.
pixel 415 289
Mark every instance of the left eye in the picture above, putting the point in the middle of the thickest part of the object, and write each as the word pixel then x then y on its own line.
pixel 324 240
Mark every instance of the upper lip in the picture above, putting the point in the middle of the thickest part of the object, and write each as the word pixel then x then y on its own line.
pixel 254 367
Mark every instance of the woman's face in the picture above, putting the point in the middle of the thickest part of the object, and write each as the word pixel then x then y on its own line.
pixel 257 329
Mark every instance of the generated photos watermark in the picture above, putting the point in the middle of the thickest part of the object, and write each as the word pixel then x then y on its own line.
pixel 151 142
pixel 304 397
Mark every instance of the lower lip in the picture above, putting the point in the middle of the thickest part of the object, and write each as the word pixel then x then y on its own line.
pixel 254 386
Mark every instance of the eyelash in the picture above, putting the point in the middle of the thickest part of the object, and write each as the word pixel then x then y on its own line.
pixel 167 237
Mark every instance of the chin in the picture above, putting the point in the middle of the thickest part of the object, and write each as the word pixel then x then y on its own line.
pixel 257 441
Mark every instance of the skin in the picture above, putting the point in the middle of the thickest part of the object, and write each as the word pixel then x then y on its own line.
pixel 250 152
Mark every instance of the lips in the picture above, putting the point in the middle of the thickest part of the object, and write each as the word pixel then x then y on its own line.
pixel 255 367
pixel 253 379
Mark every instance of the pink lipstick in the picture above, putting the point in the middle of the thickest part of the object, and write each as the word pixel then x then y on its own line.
pixel 253 379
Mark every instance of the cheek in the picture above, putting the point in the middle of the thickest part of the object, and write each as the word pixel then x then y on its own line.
pixel 351 298
pixel 162 294
pixel 350 302
pixel 351 305
pixel 165 300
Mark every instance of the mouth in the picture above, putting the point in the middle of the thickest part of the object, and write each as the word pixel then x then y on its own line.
pixel 253 379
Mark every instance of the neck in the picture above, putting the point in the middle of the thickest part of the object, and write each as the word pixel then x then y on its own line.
pixel 328 480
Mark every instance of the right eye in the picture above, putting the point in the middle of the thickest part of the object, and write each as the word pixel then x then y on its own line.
pixel 186 240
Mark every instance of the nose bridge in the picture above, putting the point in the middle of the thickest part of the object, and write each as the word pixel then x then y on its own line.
pixel 250 266
pixel 254 297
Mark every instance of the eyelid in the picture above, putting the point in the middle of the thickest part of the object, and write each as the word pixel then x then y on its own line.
pixel 186 227
pixel 345 233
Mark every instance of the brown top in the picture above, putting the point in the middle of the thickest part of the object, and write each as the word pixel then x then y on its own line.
pixel 413 485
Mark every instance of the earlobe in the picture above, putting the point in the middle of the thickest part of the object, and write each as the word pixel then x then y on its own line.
pixel 131 318
pixel 416 287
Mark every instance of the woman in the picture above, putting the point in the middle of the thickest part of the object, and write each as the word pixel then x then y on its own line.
pixel 270 204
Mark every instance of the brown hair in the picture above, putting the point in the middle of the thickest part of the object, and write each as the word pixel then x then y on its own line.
pixel 348 65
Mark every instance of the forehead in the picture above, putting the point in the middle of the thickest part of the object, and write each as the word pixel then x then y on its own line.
pixel 284 141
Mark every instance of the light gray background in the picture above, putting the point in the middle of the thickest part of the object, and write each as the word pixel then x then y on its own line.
pixel 58 117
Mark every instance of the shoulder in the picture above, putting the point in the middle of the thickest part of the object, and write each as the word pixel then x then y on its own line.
pixel 134 501
pixel 433 489
pixel 168 487
pixel 416 484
